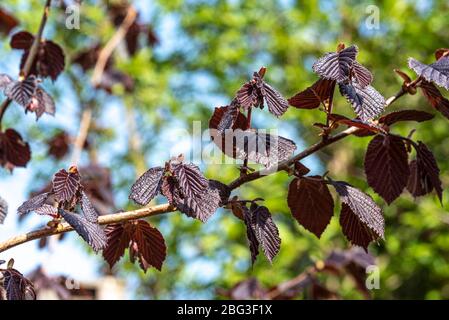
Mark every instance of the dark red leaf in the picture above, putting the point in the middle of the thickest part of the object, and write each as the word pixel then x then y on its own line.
pixel 227 117
pixel 300 169
pixel 361 219
pixel 66 184
pixel 276 103
pixel 147 186
pixel 14 152
pixel 41 102
pixel 366 101
pixel 435 98
pixel 251 235
pixel 437 72
pixel 311 203
pixel 440 53
pixel 148 244
pixel 91 232
pixel 22 40
pixel 386 166
pixel 118 240
pixel 424 175
pixel 336 65
pixel 319 93
pixel 7 22
pixel 249 95
pixel 58 145
pixel 405 115
pixel 50 60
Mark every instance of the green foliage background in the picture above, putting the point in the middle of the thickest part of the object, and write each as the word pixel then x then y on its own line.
pixel 207 50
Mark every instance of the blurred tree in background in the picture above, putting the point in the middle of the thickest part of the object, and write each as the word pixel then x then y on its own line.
pixel 192 57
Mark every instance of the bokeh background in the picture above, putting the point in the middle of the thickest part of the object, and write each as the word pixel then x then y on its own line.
pixel 192 57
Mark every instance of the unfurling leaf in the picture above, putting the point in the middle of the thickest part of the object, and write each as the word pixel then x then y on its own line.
pixel 47 210
pixel 386 166
pixel 256 146
pixel 319 93
pixel 3 210
pixel 147 186
pixel 91 232
pixel 88 209
pixel 33 204
pixel 435 98
pixel 424 175
pixel 66 184
pixel 366 101
pixel 263 231
pixel 336 65
pixel 437 72
pixel 17 287
pixel 300 169
pixel 22 91
pixel 250 234
pixel 362 74
pixel 14 152
pixel 311 203
pixel 191 180
pixel 255 92
pixel 50 57
pixel 227 117
pixel 41 102
pixel 361 219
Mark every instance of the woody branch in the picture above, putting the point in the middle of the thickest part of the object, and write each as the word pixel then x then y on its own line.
pixel 166 208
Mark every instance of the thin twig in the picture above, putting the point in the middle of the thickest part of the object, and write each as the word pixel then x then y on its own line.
pixel 103 220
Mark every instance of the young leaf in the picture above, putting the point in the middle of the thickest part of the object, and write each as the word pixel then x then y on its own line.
pixel 227 117
pixel 437 72
pixel 424 175
pixel 88 209
pixel 366 101
pixel 276 103
pixel 149 246
pixel 3 210
pixel 361 219
pixel 47 210
pixel 66 184
pixel 5 80
pixel 386 166
pixel 336 65
pixel 14 152
pixel 311 203
pixel 91 232
pixel 22 91
pixel 257 147
pixel 362 74
pixel 300 169
pixel 118 239
pixel 435 98
pixel 191 180
pixel 7 22
pixel 147 186
pixel 41 103
pixel 313 96
pixel 249 96
pixel 34 203
pixel 266 231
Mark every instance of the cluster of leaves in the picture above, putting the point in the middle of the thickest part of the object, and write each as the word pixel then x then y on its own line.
pixel 66 194
pixel 352 262
pixel 13 285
